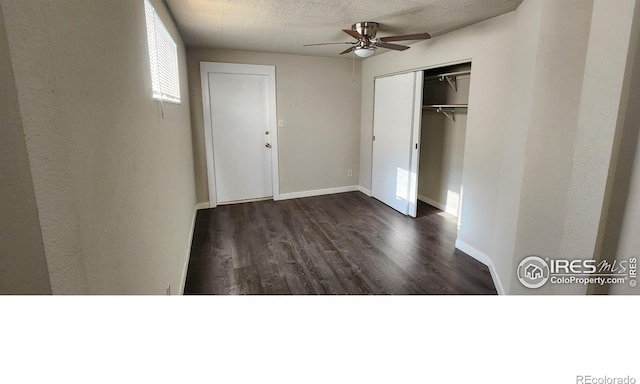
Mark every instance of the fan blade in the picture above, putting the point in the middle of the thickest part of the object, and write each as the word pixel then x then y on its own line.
pixel 347 51
pixel 415 36
pixel 353 34
pixel 395 47
pixel 311 45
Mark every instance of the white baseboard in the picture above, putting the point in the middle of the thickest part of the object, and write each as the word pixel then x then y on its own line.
pixel 484 259
pixel 246 201
pixel 183 280
pixel 432 203
pixel 204 205
pixel 317 192
pixel 364 190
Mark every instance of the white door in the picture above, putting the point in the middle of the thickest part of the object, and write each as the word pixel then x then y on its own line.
pixel 396 130
pixel 242 150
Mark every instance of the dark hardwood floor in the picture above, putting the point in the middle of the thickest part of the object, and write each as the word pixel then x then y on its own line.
pixel 345 243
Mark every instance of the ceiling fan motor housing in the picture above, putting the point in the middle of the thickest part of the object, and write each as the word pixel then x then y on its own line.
pixel 367 29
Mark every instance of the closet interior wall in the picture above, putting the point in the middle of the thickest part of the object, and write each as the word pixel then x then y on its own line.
pixel 443 139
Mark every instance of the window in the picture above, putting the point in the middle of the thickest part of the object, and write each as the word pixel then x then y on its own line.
pixel 163 58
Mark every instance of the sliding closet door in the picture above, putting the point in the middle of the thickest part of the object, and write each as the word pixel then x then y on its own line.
pixel 396 130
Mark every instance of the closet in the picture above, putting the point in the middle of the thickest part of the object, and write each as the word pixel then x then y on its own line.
pixel 442 136
pixel 419 128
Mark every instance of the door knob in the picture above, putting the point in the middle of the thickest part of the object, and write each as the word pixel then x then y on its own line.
pixel 268 145
pixel 266 132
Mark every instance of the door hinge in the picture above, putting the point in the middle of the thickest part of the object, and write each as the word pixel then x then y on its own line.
pixel 374 137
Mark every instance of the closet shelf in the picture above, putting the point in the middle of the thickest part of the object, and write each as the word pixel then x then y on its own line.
pixel 449 77
pixel 448 110
pixel 445 106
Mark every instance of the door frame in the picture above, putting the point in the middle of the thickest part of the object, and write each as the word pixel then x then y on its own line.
pixel 206 68
pixel 416 137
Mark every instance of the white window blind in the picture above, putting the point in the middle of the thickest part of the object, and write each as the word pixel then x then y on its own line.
pixel 163 58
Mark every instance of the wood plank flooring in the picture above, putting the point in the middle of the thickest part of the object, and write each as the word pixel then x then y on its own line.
pixel 345 243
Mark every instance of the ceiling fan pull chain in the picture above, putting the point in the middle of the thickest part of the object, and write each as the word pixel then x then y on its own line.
pixel 353 60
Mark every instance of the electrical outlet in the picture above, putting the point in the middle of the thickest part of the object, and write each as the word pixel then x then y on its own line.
pixel 169 289
pixel 349 173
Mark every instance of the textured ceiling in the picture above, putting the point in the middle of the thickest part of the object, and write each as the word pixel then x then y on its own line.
pixel 284 26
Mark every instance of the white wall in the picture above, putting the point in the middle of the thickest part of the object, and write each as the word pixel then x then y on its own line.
pixel 620 240
pixel 628 174
pixel 566 88
pixel 603 104
pixel 550 121
pixel 518 112
pixel 489 45
pixel 23 268
pixel 627 243
pixel 320 106
pixel 114 183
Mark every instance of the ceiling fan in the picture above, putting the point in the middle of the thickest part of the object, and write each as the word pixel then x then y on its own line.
pixel 367 42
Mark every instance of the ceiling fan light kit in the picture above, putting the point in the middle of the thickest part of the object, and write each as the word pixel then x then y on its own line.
pixel 364 52
pixel 367 42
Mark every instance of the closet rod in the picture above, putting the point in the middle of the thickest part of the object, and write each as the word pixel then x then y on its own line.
pixel 450 74
pixel 447 110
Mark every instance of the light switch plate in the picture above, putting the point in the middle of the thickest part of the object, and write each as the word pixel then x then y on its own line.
pixel 280 123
